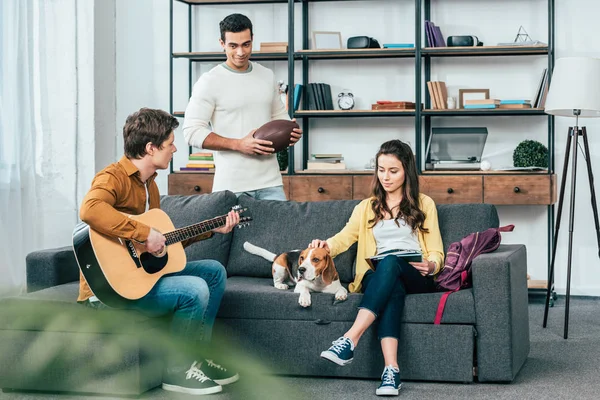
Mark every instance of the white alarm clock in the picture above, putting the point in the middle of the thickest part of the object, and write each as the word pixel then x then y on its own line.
pixel 346 100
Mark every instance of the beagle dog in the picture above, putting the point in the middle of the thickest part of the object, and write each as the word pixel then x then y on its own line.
pixel 309 270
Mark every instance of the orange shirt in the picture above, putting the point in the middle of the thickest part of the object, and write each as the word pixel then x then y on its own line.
pixel 115 190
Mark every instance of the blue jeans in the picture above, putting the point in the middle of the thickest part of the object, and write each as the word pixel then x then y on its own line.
pixel 385 290
pixel 270 193
pixel 193 296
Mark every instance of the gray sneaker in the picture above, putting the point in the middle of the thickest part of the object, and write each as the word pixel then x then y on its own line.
pixel 192 381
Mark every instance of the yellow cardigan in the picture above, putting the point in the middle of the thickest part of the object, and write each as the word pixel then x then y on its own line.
pixel 357 229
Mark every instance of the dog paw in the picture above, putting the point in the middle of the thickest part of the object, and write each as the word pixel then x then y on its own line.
pixel 341 295
pixel 304 299
pixel 281 286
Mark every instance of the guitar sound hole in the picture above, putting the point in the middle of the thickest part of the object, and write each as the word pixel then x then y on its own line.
pixel 152 264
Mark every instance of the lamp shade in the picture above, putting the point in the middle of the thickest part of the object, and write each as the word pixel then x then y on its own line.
pixel 575 85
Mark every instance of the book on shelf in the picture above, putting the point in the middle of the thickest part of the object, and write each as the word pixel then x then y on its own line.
pixel 515 101
pixel 318 97
pixel 326 155
pixel 393 105
pixel 310 164
pixel 514 106
pixel 398 45
pixel 408 255
pixel 542 90
pixel 328 159
pixel 483 101
pixel 274 47
pixel 479 106
pixel 434 35
pixel 189 169
pixel 438 92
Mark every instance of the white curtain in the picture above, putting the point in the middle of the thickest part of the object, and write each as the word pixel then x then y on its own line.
pixel 39 90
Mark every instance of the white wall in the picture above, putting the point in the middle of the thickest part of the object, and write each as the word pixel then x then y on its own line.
pixel 142 79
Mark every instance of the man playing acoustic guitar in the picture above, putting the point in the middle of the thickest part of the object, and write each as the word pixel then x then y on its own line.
pixel 192 295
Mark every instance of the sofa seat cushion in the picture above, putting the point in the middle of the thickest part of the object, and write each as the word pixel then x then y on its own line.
pixel 55 310
pixel 256 298
pixel 281 226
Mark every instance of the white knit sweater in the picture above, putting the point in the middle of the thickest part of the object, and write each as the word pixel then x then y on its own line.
pixel 233 104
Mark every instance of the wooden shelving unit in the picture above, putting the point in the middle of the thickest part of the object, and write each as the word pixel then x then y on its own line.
pixel 468 184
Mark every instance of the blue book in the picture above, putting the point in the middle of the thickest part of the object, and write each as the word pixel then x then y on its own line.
pixel 398 45
pixel 515 101
pixel 472 106
pixel 297 95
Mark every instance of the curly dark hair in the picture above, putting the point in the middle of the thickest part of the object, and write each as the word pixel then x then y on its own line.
pixel 146 126
pixel 235 23
pixel 409 205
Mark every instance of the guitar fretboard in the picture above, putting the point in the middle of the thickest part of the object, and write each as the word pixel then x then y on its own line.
pixel 191 231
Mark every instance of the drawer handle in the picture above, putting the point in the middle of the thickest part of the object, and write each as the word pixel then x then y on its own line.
pixel 450 190
pixel 321 190
pixel 197 188
pixel 516 189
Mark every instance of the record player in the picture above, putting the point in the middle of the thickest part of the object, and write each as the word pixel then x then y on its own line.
pixel 451 149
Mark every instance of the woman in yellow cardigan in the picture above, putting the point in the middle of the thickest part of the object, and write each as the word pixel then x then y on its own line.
pixel 396 216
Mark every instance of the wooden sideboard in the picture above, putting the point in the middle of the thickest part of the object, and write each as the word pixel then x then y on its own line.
pixel 499 189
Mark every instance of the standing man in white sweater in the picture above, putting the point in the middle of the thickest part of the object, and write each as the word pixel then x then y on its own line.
pixel 228 104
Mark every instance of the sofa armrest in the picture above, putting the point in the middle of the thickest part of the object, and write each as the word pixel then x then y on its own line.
pixel 51 267
pixel 502 312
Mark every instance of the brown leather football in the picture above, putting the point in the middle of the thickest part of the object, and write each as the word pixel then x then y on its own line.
pixel 278 131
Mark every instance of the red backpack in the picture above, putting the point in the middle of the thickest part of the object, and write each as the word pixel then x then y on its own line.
pixel 456 274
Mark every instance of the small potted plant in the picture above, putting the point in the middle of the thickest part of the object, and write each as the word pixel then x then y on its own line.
pixel 530 153
pixel 283 160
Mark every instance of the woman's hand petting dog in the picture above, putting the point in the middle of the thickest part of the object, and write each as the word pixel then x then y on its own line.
pixel 316 243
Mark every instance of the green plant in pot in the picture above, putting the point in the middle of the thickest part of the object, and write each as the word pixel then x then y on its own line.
pixel 530 153
pixel 283 159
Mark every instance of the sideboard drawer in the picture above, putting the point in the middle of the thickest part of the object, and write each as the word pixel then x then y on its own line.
pixel 320 188
pixel 452 189
pixel 189 183
pixel 361 186
pixel 528 189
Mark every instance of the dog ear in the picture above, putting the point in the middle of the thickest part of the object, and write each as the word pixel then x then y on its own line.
pixel 329 274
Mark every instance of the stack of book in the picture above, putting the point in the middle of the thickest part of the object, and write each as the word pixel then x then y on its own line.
pixel 273 47
pixel 438 94
pixel 481 104
pixel 325 161
pixel 199 162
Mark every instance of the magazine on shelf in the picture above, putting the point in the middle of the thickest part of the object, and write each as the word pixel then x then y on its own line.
pixel 407 254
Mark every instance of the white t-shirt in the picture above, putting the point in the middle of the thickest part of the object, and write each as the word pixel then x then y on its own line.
pixel 231 104
pixel 390 236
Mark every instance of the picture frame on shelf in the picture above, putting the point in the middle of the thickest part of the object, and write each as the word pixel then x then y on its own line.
pixel 322 40
pixel 472 94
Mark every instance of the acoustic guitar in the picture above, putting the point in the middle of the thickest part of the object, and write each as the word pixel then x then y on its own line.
pixel 120 270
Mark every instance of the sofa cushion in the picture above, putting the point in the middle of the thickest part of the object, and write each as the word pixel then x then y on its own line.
pixel 256 298
pixel 188 210
pixel 55 310
pixel 282 226
pixel 458 220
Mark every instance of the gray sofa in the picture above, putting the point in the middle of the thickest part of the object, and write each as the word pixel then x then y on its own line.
pixel 46 337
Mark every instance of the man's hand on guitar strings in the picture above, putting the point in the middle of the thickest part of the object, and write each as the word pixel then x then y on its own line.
pixel 155 243
pixel 232 219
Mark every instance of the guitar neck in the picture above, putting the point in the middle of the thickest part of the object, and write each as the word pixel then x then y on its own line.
pixel 188 232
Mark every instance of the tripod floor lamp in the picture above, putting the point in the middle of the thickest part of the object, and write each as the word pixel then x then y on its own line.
pixel 574 92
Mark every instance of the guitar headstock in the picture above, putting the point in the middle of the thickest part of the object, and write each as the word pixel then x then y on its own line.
pixel 245 220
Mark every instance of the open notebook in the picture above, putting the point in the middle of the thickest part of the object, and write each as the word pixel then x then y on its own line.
pixel 407 254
